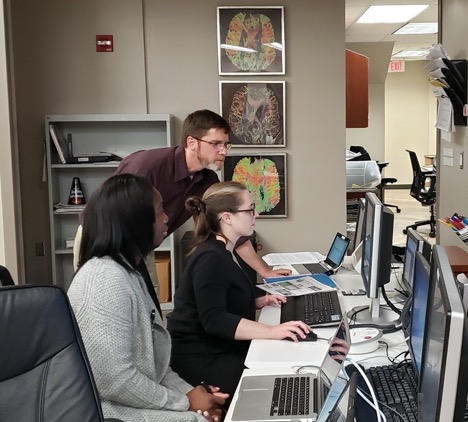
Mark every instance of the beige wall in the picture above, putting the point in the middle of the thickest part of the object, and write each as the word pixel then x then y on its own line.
pixel 410 110
pixel 165 60
pixel 452 181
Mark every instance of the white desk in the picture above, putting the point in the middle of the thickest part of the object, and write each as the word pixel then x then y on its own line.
pixel 285 354
pixel 281 357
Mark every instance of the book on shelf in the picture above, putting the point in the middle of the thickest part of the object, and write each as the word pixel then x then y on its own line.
pixel 60 143
pixel 70 209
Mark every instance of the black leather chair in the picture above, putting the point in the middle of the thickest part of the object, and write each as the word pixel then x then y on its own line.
pixel 423 189
pixel 45 374
pixel 5 277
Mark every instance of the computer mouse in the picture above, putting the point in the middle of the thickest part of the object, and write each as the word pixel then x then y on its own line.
pixel 308 337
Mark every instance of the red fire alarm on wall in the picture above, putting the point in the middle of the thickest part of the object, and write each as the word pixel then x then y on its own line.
pixel 104 43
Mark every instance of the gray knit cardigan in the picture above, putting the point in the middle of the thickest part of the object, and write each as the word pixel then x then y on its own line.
pixel 129 360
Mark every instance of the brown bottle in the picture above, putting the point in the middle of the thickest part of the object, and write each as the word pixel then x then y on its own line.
pixel 76 193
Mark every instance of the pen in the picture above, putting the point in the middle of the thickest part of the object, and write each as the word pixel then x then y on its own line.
pixel 208 390
pixel 206 387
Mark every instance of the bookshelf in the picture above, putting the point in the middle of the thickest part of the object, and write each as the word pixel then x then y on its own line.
pixel 119 134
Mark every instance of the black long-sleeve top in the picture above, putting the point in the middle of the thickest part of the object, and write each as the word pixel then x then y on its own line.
pixel 212 298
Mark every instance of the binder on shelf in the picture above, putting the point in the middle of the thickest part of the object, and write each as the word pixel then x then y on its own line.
pixel 60 145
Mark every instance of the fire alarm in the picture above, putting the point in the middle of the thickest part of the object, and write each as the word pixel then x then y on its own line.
pixel 104 43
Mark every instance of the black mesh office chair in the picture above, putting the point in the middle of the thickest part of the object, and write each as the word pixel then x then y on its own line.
pixel 5 277
pixel 45 373
pixel 423 190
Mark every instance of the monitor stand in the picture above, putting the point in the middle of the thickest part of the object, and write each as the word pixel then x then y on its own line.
pixel 373 314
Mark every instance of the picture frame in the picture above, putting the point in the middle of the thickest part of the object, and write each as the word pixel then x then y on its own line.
pixel 265 176
pixel 251 40
pixel 256 112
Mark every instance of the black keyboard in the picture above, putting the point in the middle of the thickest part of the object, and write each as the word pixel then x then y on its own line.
pixel 318 308
pixel 290 396
pixel 396 387
pixel 315 268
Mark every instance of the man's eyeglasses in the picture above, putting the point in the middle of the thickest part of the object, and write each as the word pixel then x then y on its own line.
pixel 219 145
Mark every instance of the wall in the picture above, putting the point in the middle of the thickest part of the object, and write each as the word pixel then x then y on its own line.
pixel 166 61
pixel 8 251
pixel 410 110
pixel 452 181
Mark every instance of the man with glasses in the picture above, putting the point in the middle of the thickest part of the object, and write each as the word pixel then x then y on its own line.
pixel 186 170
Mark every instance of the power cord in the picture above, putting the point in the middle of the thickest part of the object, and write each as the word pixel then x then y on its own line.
pixel 375 404
pixel 387 300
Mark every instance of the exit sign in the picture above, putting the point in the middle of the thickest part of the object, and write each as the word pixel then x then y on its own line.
pixel 396 66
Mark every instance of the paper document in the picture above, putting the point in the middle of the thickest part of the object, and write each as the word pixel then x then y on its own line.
pixel 273 259
pixel 295 286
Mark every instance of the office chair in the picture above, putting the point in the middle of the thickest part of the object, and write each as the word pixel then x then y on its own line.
pixel 423 190
pixel 45 374
pixel 5 277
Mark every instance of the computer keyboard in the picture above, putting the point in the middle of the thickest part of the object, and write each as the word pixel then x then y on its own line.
pixel 315 268
pixel 290 396
pixel 319 308
pixel 397 388
pixel 322 307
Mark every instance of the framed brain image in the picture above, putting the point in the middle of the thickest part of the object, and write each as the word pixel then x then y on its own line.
pixel 265 178
pixel 251 40
pixel 255 111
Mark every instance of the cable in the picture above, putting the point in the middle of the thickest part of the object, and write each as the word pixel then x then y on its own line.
pixel 375 405
pixel 387 300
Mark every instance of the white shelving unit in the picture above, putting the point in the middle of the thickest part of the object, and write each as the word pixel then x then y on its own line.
pixel 90 133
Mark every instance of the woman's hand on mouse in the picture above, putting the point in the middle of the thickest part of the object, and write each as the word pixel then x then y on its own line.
pixel 290 329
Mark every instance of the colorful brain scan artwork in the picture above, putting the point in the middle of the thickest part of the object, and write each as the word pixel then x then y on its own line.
pixel 255 115
pixel 253 32
pixel 262 179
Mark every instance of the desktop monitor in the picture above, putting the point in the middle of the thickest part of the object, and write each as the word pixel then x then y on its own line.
pixel 420 295
pixel 359 223
pixel 376 260
pixel 444 370
pixel 414 243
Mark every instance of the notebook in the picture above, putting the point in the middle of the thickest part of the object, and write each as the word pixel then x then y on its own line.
pixel 302 399
pixel 333 260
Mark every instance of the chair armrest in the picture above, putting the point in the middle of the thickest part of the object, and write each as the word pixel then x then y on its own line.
pixel 112 420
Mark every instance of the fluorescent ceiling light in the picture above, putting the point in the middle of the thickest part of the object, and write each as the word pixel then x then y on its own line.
pixel 238 48
pixel 417 28
pixel 410 54
pixel 391 14
pixel 275 45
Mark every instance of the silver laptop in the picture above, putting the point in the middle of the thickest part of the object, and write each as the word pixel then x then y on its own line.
pixel 331 263
pixel 340 405
pixel 291 397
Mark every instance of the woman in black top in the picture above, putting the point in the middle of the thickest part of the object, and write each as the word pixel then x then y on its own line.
pixel 214 305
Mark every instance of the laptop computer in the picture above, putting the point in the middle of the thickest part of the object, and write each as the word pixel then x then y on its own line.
pixel 331 263
pixel 341 400
pixel 291 397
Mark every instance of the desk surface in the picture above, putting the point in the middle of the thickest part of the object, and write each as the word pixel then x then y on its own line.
pixel 281 357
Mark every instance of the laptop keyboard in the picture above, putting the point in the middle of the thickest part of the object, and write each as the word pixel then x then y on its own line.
pixel 322 307
pixel 315 268
pixel 397 388
pixel 290 396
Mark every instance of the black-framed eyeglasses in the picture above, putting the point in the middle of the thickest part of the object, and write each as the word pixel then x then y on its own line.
pixel 219 145
pixel 251 210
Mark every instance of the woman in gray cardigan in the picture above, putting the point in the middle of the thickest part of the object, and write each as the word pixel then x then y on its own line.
pixel 128 347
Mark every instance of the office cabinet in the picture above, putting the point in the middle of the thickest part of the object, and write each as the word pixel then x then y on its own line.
pixel 87 134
